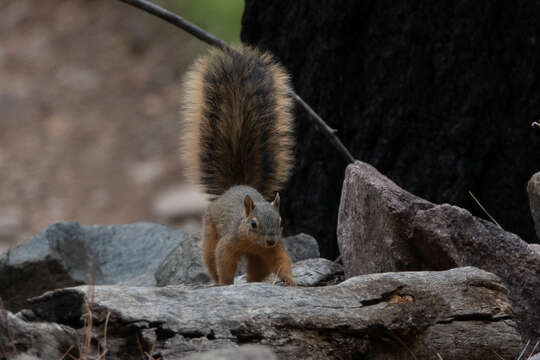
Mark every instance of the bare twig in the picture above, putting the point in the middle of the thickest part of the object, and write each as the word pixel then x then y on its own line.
pixel 485 211
pixel 208 38
pixel 105 350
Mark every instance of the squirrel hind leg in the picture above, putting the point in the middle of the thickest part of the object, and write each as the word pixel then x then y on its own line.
pixel 210 238
pixel 257 270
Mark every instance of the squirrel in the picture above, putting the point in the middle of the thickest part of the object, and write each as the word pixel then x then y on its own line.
pixel 238 144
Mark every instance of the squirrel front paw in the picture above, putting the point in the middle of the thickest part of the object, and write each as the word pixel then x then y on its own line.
pixel 288 281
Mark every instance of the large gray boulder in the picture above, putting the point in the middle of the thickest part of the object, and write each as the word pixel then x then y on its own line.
pixel 462 313
pixel 384 228
pixel 533 189
pixel 68 254
pixel 375 223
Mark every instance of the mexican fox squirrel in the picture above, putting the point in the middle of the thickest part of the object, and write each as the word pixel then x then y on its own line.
pixel 238 144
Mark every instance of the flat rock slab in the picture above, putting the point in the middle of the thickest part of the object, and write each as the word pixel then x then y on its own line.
pixel 384 228
pixel 462 313
pixel 68 254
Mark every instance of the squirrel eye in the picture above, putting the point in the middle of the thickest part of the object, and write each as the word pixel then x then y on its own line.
pixel 253 224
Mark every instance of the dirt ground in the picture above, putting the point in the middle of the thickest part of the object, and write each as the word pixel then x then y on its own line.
pixel 89 100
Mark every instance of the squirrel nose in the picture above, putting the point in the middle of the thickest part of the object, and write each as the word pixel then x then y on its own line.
pixel 270 242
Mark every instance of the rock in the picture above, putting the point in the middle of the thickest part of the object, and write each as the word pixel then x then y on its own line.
pixel 184 264
pixel 447 236
pixel 68 254
pixel 309 272
pixel 23 340
pixel 535 247
pixel 375 222
pixel 533 189
pixel 302 246
pixel 534 357
pixel 384 228
pixel 147 279
pixel 462 313
pixel 244 352
pixel 180 202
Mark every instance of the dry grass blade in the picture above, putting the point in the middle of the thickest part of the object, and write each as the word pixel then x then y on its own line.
pixel 103 354
pixel 524 349
pixel 534 348
pixel 10 335
pixel 71 356
pixel 139 345
pixel 150 357
pixel 497 355
pixel 88 319
pixel 105 330
pixel 402 343
pixel 439 356
pixel 484 210
pixel 66 353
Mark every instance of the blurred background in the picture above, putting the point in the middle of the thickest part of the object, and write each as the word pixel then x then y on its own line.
pixel 89 101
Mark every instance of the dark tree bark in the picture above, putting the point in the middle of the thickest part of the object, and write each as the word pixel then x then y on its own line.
pixel 437 95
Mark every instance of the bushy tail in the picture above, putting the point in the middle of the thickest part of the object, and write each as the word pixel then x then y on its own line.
pixel 237 122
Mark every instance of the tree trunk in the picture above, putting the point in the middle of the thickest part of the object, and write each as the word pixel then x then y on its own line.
pixel 439 96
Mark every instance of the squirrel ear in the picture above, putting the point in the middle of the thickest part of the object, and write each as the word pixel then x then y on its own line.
pixel 276 201
pixel 248 205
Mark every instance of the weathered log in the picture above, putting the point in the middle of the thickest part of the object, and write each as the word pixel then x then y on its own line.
pixel 461 313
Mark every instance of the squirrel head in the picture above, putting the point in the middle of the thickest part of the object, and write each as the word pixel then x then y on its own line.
pixel 262 223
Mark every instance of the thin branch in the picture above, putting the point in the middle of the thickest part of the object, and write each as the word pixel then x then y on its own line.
pixel 208 38
pixel 484 209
